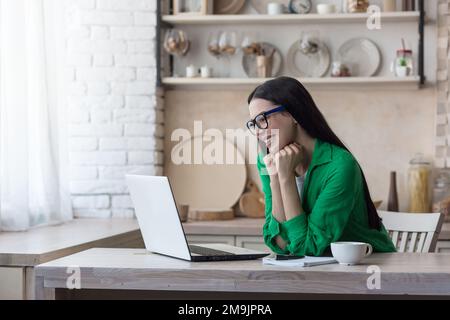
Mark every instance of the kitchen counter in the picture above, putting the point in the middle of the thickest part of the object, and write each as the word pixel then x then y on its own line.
pixel 21 251
pixel 135 273
pixel 251 227
pixel 237 226
pixel 247 233
pixel 47 243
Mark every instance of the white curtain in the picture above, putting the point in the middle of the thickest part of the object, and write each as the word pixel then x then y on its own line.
pixel 33 157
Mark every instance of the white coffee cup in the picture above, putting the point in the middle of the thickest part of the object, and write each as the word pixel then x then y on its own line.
pixel 326 8
pixel 350 253
pixel 191 71
pixel 274 8
pixel 205 72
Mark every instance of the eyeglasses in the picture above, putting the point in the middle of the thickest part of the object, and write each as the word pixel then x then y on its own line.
pixel 260 120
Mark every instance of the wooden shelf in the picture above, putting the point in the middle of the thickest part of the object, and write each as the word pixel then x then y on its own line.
pixel 412 16
pixel 332 83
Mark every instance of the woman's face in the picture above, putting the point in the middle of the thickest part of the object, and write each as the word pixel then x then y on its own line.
pixel 281 130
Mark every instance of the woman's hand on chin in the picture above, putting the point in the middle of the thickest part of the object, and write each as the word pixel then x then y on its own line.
pixel 288 159
pixel 269 161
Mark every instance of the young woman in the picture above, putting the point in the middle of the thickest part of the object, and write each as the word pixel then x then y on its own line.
pixel 315 190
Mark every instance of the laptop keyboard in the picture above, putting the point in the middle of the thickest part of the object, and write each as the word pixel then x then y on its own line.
pixel 208 252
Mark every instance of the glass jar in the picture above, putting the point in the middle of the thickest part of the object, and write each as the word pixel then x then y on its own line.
pixel 441 193
pixel 403 64
pixel 441 187
pixel 357 6
pixel 419 182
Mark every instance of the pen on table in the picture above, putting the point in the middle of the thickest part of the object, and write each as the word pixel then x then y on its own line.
pixel 287 257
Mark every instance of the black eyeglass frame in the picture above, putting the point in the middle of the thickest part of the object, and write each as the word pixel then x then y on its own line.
pixel 254 123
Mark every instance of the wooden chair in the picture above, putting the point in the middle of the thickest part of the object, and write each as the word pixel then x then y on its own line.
pixel 413 232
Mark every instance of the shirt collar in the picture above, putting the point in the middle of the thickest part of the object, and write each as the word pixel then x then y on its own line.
pixel 321 154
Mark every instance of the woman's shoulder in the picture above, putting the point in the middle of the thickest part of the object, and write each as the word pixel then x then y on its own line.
pixel 342 156
pixel 343 162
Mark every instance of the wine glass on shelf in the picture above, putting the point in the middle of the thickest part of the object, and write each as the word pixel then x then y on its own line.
pixel 170 42
pixel 217 47
pixel 309 43
pixel 185 43
pixel 249 43
pixel 176 42
pixel 228 43
pixel 213 44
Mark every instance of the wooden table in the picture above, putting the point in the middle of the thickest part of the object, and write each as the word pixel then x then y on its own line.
pixel 135 273
pixel 21 251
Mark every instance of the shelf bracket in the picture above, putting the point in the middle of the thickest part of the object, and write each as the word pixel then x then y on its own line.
pixel 422 43
pixel 158 44
pixel 160 27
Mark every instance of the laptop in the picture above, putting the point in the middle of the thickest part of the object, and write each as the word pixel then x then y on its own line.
pixel 161 227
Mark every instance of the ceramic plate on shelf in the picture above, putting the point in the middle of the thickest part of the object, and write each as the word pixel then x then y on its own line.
pixel 206 186
pixel 261 5
pixel 249 61
pixel 228 6
pixel 361 55
pixel 308 65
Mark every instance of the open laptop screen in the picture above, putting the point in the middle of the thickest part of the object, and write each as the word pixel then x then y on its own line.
pixel 157 216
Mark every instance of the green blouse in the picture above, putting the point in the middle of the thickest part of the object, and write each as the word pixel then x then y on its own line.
pixel 334 205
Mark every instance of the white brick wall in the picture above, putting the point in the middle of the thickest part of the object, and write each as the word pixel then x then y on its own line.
pixel 116 126
pixel 442 149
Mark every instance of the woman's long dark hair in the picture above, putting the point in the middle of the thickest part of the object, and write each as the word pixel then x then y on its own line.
pixel 291 94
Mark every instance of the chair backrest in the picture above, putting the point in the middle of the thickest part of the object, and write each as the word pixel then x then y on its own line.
pixel 413 232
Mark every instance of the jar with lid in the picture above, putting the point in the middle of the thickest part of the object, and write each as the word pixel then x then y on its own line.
pixel 403 65
pixel 441 189
pixel 441 193
pixel 419 184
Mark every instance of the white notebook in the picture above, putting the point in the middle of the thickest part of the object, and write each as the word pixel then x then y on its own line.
pixel 307 261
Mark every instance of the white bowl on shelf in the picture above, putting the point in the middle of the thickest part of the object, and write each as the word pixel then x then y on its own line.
pixel 326 8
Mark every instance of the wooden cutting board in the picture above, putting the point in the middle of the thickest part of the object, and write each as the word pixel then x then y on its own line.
pixel 211 215
pixel 251 203
pixel 206 186
pixel 228 6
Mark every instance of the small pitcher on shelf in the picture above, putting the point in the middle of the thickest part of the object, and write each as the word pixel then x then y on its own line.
pixel 264 64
